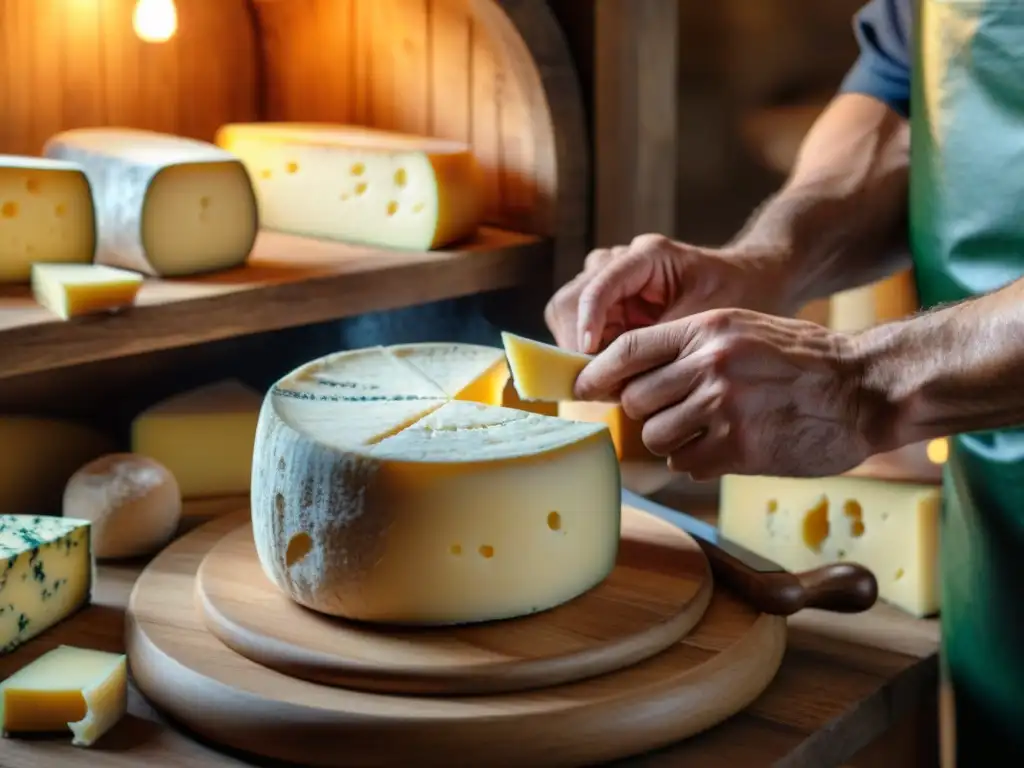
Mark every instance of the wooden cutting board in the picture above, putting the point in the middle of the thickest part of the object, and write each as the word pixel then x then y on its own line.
pixel 658 591
pixel 718 669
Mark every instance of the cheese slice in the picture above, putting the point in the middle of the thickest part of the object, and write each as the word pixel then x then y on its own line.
pixel 79 689
pixel 46 215
pixel 70 290
pixel 204 437
pixel 166 206
pixel 386 503
pixel 39 456
pixel 803 523
pixel 360 184
pixel 47 574
pixel 627 433
pixel 543 371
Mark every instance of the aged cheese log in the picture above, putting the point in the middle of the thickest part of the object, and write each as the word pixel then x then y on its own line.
pixel 68 688
pixel 165 205
pixel 46 215
pixel 71 290
pixel 360 184
pixel 802 523
pixel 203 436
pixel 39 456
pixel 377 497
pixel 133 503
pixel 47 574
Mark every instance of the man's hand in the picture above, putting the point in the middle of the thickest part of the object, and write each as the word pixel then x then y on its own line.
pixel 738 392
pixel 653 280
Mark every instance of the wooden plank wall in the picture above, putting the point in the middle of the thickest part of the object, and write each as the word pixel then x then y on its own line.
pixel 76 63
pixel 418 66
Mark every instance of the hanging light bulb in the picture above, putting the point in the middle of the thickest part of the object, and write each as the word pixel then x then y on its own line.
pixel 155 21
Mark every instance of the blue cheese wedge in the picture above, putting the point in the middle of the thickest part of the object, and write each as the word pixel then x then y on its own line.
pixel 46 574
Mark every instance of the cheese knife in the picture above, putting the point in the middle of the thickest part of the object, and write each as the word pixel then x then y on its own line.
pixel 770 588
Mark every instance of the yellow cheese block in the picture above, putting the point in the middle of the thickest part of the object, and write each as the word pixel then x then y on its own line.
pixel 47 574
pixel 39 455
pixel 166 205
pixel 360 184
pixel 79 689
pixel 70 290
pixel 802 523
pixel 627 433
pixel 46 215
pixel 379 496
pixel 542 371
pixel 204 437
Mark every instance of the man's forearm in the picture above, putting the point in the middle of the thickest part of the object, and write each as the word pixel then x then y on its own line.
pixel 840 220
pixel 953 370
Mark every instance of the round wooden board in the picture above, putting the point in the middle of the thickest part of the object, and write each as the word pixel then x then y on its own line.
pixel 718 669
pixel 657 593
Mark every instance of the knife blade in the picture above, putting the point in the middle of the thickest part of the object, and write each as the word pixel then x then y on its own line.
pixel 840 587
pixel 701 531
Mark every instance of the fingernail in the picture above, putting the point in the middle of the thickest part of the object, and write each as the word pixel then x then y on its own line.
pixel 588 339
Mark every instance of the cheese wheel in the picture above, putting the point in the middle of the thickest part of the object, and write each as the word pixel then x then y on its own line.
pixel 376 496
pixel 46 215
pixel 166 206
pixel 360 184
pixel 133 503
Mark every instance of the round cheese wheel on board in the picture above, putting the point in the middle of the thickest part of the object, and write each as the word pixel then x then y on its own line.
pixel 133 503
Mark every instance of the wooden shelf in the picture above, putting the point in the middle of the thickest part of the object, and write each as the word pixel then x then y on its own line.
pixel 289 281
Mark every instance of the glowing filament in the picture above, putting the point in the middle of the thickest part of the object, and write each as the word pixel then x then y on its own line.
pixel 155 21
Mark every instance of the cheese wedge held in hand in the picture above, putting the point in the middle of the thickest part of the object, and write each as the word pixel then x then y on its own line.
pixel 76 689
pixel 166 206
pixel 542 371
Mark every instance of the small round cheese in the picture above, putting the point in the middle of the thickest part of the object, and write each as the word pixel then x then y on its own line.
pixel 133 503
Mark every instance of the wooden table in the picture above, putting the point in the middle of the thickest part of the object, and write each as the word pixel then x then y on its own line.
pixel 845 683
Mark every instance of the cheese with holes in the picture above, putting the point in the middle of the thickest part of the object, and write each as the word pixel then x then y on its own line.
pixel 543 371
pixel 133 503
pixel 70 290
pixel 46 574
pixel 204 437
pixel 165 205
pixel 68 688
pixel 360 184
pixel 46 215
pixel 379 495
pixel 627 433
pixel 39 456
pixel 803 523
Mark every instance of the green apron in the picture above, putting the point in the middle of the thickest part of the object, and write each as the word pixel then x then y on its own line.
pixel 967 238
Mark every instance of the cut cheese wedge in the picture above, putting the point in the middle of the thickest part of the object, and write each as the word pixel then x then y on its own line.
pixel 79 689
pixel 166 206
pixel 804 523
pixel 70 290
pixel 379 496
pixel 360 184
pixel 46 215
pixel 203 436
pixel 47 574
pixel 543 371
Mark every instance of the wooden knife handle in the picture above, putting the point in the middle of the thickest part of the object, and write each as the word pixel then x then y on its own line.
pixel 841 587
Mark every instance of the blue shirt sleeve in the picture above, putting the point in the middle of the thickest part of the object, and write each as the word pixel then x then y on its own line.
pixel 884 30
